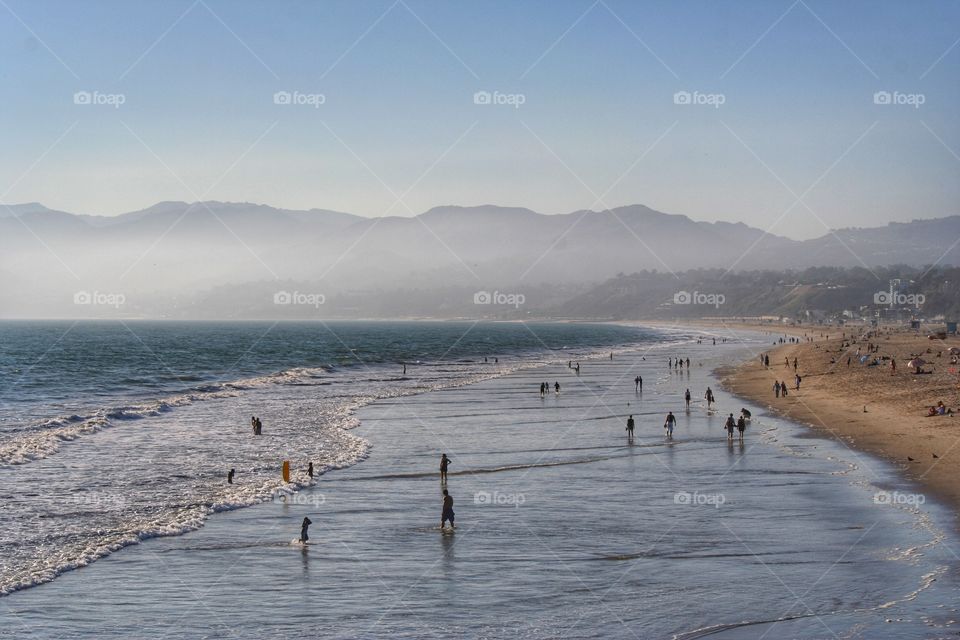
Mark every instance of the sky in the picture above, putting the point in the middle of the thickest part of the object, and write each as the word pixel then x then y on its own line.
pixel 792 116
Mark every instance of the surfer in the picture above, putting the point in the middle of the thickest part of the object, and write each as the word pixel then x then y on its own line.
pixel 230 476
pixel 444 463
pixel 447 513
pixel 670 424
pixel 303 530
pixel 310 470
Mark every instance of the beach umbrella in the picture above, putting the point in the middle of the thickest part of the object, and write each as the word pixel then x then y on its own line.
pixel 916 362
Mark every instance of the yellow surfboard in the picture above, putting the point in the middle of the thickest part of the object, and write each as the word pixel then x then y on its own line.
pixel 286 471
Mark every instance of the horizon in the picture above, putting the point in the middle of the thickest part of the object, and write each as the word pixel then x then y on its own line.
pixel 783 116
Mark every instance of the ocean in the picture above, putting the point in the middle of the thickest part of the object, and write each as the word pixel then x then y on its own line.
pixel 118 521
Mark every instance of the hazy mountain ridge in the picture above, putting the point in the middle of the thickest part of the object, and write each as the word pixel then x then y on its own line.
pixel 184 251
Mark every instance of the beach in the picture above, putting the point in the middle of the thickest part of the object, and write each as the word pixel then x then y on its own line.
pixel 564 528
pixel 866 407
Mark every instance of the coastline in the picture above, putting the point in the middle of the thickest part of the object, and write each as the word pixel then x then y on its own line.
pixel 865 408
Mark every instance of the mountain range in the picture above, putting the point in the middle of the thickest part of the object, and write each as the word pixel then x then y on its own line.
pixel 174 256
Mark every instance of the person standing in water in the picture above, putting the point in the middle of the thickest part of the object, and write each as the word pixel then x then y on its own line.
pixel 630 425
pixel 686 397
pixel 637 382
pixel 310 470
pixel 709 397
pixel 556 387
pixel 543 389
pixel 230 476
pixel 741 426
pixel 447 513
pixel 670 423
pixel 730 426
pixel 303 530
pixel 444 463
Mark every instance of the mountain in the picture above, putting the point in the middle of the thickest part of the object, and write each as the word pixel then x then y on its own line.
pixel 172 256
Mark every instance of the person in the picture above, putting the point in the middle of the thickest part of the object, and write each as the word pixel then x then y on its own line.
pixel 543 389
pixel 688 363
pixel 630 425
pixel 638 383
pixel 447 513
pixel 230 476
pixel 776 388
pixel 686 397
pixel 798 380
pixel 556 387
pixel 730 425
pixel 253 423
pixel 744 413
pixel 783 388
pixel 444 463
pixel 303 530
pixel 310 470
pixel 670 363
pixel 794 364
pixel 893 366
pixel 670 424
pixel 709 396
pixel 741 426
pixel 611 355
pixel 578 368
pixel 404 369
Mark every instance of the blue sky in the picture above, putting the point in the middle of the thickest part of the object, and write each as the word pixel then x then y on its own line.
pixel 797 144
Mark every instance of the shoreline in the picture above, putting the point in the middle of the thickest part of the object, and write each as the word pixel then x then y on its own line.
pixel 867 409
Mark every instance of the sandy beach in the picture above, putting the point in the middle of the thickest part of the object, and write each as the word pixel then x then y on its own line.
pixel 565 528
pixel 870 408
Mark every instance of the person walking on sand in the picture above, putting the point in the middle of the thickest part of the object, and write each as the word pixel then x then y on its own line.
pixel 741 426
pixel 783 388
pixel 303 530
pixel 686 397
pixel 893 366
pixel 444 463
pixel 776 388
pixel 447 512
pixel 670 423
pixel 730 425
pixel 795 364
pixel 798 380
pixel 630 425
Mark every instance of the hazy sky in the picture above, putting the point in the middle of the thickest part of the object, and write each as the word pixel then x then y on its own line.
pixel 399 130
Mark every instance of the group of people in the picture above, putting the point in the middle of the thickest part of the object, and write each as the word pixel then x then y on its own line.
pixel 446 512
pixel 677 363
pixel 780 388
pixel 939 410
pixel 545 387
pixel 257 425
